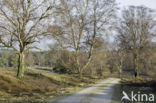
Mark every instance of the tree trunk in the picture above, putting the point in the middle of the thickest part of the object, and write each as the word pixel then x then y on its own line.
pixel 80 72
pixel 20 73
pixel 136 68
pixel 120 70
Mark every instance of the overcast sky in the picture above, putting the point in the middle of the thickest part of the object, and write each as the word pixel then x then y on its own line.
pixel 147 3
pixel 122 3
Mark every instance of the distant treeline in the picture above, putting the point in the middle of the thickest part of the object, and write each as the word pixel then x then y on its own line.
pixel 10 58
pixel 62 61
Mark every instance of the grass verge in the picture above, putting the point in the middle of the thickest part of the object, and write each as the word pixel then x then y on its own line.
pixel 117 94
pixel 39 87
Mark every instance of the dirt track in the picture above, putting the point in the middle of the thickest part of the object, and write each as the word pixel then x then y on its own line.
pixel 100 93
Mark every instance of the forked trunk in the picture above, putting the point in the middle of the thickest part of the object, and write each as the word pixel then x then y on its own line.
pixel 20 73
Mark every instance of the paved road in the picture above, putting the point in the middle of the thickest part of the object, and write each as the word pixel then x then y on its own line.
pixel 100 93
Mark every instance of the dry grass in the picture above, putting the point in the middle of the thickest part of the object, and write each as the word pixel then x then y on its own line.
pixel 36 87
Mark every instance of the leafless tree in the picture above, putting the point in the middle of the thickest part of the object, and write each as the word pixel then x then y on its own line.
pixel 83 22
pixel 21 25
pixel 136 29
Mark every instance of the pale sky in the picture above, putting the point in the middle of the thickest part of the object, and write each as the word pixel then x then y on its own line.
pixel 122 3
pixel 147 3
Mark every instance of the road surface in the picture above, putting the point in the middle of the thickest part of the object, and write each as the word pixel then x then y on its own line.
pixel 100 93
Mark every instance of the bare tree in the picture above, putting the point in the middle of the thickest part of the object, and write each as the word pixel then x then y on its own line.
pixel 82 23
pixel 136 29
pixel 22 23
